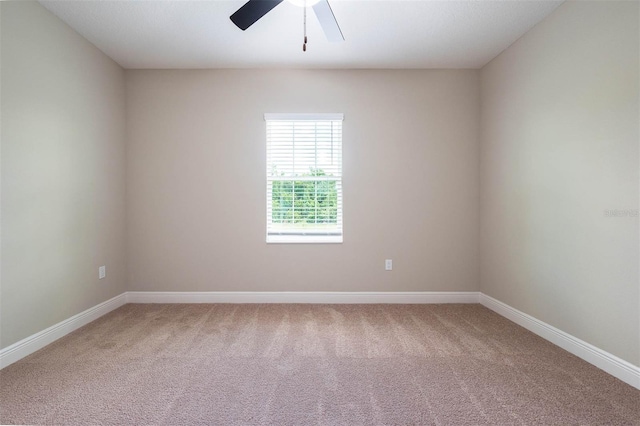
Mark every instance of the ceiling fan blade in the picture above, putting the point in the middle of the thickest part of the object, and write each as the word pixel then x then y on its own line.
pixel 251 11
pixel 328 21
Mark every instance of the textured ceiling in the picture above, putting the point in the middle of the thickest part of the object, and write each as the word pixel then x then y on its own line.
pixel 378 33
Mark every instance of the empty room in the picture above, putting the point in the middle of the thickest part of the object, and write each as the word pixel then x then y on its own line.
pixel 336 212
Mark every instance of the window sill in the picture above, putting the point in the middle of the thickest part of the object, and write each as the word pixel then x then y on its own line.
pixel 304 239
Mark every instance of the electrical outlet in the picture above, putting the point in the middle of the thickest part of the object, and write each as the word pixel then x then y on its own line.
pixel 388 265
pixel 102 272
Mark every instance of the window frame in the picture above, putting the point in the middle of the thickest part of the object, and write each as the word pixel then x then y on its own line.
pixel 313 236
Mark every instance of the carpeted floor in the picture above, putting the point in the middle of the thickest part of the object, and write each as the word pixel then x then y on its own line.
pixel 309 364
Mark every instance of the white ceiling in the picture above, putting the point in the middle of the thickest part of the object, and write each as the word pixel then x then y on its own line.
pixel 378 33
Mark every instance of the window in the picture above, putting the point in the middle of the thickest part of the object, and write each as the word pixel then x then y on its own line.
pixel 304 178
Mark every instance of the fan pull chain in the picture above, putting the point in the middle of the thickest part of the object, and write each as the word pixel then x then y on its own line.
pixel 304 44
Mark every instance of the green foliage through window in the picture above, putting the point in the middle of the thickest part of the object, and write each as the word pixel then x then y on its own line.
pixel 305 202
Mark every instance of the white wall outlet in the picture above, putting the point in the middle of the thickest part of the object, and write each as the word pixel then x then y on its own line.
pixel 388 265
pixel 102 272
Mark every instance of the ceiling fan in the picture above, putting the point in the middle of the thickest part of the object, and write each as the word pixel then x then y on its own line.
pixel 253 10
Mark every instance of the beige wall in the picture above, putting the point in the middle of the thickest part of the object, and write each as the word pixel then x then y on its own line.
pixel 196 180
pixel 62 172
pixel 559 146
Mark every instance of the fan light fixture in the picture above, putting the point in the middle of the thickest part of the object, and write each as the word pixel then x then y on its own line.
pixel 303 3
pixel 253 10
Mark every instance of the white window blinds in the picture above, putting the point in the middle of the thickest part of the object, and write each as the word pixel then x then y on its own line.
pixel 304 178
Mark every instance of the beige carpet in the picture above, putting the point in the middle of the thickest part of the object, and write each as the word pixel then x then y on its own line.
pixel 309 364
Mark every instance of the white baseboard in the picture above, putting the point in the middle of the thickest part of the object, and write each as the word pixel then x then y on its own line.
pixel 301 297
pixel 613 365
pixel 29 345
